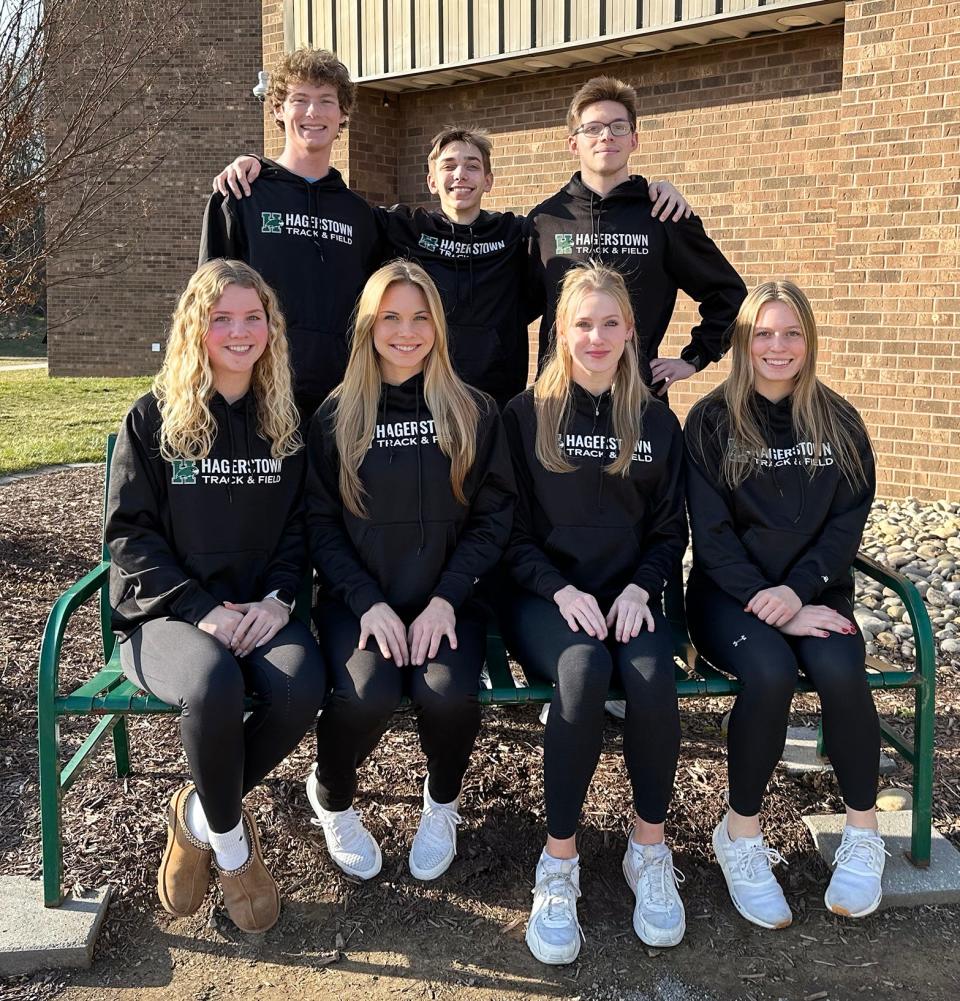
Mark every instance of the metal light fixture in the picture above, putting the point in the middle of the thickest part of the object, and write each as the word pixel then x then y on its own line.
pixel 796 20
pixel 260 91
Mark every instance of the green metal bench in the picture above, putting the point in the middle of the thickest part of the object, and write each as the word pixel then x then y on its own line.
pixel 110 696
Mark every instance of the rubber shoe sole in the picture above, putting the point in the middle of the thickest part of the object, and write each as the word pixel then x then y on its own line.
pixel 844 913
pixel 349 870
pixel 650 937
pixel 550 955
pixel 736 903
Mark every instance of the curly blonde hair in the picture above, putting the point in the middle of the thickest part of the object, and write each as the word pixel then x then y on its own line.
pixel 184 385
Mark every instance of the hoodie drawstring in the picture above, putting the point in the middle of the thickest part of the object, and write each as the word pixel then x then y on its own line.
pixel 313 210
pixel 233 448
pixel 419 479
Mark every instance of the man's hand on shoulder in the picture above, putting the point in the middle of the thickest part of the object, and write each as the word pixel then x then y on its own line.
pixel 236 178
pixel 669 371
pixel 668 203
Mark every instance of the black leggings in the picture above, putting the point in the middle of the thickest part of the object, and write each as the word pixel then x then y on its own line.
pixel 768 663
pixel 228 756
pixel 367 688
pixel 582 668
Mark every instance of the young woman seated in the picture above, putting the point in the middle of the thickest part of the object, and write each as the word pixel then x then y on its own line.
pixel 599 526
pixel 780 480
pixel 410 501
pixel 206 536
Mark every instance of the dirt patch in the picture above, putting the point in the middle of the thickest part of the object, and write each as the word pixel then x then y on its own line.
pixel 461 937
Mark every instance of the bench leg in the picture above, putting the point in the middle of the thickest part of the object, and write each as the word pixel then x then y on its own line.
pixel 923 722
pixel 121 748
pixel 50 817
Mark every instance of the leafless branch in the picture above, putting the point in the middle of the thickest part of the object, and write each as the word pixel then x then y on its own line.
pixel 89 96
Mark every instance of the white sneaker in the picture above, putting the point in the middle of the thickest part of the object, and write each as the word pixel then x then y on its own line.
pixel 658 917
pixel 617 708
pixel 349 843
pixel 854 889
pixel 435 843
pixel 544 713
pixel 747 867
pixel 553 931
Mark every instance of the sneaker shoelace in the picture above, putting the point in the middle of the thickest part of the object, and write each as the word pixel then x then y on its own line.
pixel 755 862
pixel 561 896
pixel 438 825
pixel 863 854
pixel 653 878
pixel 346 829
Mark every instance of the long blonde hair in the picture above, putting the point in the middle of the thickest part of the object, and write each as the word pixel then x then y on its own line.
pixel 184 385
pixel 452 407
pixel 819 415
pixel 553 390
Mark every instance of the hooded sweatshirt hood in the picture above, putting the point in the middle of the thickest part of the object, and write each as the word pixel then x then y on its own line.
pixel 186 535
pixel 478 269
pixel 596 531
pixel 656 259
pixel 315 243
pixel 417 540
pixel 794 519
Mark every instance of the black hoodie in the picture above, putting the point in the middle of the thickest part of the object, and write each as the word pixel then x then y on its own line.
pixel 781 525
pixel 479 269
pixel 417 540
pixel 655 258
pixel 315 243
pixel 587 528
pixel 186 536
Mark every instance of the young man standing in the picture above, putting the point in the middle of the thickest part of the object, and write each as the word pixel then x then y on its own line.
pixel 476 258
pixel 313 240
pixel 603 213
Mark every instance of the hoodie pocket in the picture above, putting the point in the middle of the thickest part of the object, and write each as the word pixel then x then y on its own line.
pixel 229 576
pixel 595 558
pixel 477 354
pixel 775 550
pixel 406 568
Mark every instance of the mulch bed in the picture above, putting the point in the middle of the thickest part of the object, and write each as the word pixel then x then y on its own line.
pixel 49 536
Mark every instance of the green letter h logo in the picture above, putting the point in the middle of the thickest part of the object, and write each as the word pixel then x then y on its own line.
pixel 272 222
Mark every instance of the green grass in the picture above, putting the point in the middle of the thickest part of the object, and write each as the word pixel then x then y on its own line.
pixel 44 421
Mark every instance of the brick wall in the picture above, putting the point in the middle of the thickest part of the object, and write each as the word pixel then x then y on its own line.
pixel 106 324
pixel 827 156
pixel 896 294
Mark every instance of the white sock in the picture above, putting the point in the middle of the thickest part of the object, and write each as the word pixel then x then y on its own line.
pixel 232 848
pixel 638 848
pixel 547 857
pixel 196 819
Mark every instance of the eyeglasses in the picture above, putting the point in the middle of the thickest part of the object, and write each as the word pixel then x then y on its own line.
pixel 593 130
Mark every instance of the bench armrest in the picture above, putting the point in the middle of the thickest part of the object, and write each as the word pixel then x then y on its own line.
pixel 48 674
pixel 903 587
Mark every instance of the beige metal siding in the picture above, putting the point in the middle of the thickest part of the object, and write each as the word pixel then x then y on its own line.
pixel 452 32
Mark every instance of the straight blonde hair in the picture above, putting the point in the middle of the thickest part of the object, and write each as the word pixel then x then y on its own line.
pixel 553 390
pixel 451 404
pixel 184 385
pixel 819 414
